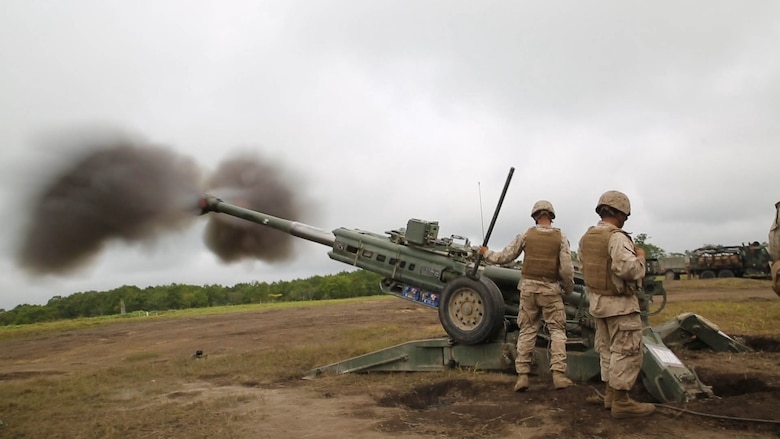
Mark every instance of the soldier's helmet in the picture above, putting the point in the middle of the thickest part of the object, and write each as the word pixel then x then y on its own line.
pixel 616 200
pixel 543 205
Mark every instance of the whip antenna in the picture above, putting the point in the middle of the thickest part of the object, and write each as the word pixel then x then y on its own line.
pixel 481 215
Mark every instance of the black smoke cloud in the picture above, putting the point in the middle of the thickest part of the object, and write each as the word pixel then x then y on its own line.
pixel 128 190
pixel 249 182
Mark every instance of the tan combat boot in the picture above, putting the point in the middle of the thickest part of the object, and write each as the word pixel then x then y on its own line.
pixel 522 383
pixel 560 381
pixel 625 407
pixel 609 394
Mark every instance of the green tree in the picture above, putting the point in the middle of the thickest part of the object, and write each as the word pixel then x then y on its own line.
pixel 651 250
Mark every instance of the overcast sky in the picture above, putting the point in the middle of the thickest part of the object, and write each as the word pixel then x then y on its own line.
pixel 380 111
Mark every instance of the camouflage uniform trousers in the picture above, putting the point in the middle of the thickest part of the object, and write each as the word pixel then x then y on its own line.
pixel 533 306
pixel 619 344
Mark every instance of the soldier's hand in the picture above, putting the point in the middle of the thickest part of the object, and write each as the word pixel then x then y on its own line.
pixel 640 252
pixel 482 250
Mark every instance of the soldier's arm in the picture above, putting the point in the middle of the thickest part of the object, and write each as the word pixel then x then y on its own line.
pixel 626 264
pixel 566 270
pixel 508 253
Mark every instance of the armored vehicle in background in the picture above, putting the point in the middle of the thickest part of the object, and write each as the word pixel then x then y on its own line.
pixel 670 267
pixel 750 260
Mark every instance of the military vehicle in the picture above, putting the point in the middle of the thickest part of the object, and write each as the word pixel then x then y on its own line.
pixel 477 305
pixel 670 267
pixel 751 260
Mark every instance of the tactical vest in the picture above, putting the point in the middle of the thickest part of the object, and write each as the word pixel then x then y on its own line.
pixel 597 262
pixel 542 250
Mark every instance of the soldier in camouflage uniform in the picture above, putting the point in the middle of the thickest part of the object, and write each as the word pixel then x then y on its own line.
pixel 547 268
pixel 613 269
pixel 774 249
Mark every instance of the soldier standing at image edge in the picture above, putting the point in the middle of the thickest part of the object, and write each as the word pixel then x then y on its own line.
pixel 774 249
pixel 613 268
pixel 547 267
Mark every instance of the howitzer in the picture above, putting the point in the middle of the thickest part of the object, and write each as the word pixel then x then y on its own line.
pixel 479 313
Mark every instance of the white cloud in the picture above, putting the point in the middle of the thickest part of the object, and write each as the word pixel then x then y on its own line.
pixel 382 111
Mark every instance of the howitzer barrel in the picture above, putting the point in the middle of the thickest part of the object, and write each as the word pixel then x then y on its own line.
pixel 210 203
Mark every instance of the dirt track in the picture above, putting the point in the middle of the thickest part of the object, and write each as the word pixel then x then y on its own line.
pixel 442 405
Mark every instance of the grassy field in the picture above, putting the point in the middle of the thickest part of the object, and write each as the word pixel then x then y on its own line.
pixel 13 331
pixel 734 315
pixel 142 396
pixel 758 317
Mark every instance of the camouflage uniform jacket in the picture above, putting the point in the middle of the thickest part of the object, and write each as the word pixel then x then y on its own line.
pixel 517 246
pixel 626 266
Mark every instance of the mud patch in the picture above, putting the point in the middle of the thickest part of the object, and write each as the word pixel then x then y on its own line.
pixel 486 407
pixel 430 395
pixel 751 412
pixel 459 408
pixel 730 385
pixel 765 344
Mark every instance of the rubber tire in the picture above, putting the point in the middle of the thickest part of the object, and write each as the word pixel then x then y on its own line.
pixel 670 275
pixel 707 274
pixel 725 273
pixel 487 309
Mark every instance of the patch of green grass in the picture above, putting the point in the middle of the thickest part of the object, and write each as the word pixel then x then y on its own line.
pixel 745 317
pixel 718 283
pixel 15 331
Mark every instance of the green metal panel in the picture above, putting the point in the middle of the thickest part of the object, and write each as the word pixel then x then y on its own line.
pixel 693 331
pixel 665 376
pixel 421 268
pixel 423 355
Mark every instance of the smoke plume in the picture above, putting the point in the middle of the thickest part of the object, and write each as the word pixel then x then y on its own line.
pixel 249 182
pixel 125 190
pixel 128 190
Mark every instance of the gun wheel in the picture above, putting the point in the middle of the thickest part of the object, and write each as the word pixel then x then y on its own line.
pixel 471 310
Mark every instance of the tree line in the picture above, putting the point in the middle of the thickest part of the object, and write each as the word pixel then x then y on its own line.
pixel 179 296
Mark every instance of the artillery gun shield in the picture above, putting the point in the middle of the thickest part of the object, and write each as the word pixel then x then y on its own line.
pixel 471 310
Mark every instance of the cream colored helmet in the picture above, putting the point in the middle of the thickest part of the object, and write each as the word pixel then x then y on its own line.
pixel 543 205
pixel 616 200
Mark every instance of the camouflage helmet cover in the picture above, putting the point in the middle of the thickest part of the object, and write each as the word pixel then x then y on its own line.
pixel 616 200
pixel 543 205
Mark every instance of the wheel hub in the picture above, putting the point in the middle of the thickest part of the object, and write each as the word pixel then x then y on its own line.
pixel 466 309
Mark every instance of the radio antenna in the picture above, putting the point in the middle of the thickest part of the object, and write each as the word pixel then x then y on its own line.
pixel 481 214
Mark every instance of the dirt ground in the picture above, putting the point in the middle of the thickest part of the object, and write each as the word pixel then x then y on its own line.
pixel 477 405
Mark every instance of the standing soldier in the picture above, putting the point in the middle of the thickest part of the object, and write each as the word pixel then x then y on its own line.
pixel 774 249
pixel 613 269
pixel 546 268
